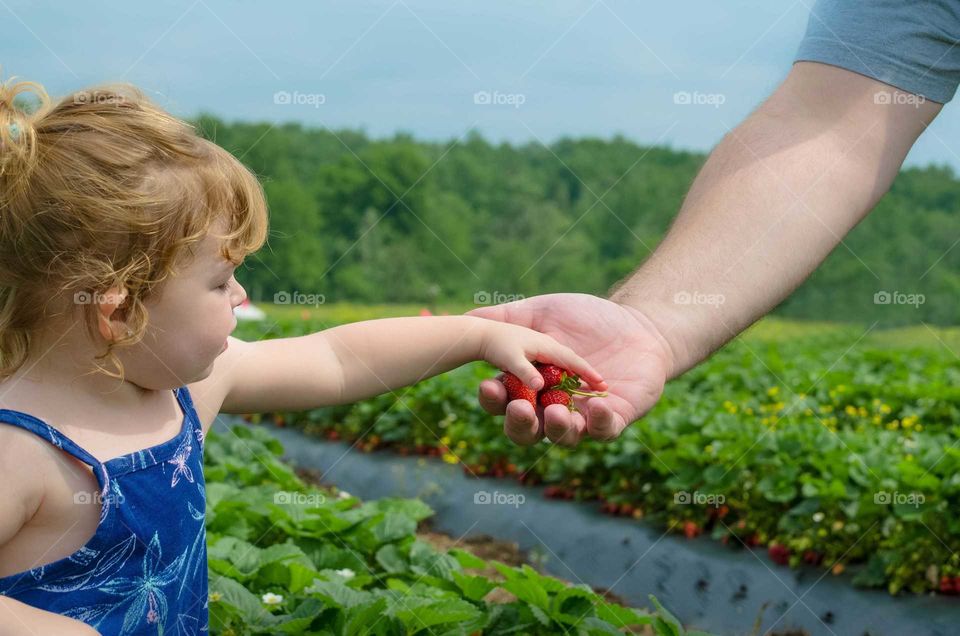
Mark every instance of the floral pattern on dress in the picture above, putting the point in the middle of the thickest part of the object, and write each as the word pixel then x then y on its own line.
pixel 180 461
pixel 144 571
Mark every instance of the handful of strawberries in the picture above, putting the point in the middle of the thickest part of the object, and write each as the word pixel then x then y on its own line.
pixel 559 387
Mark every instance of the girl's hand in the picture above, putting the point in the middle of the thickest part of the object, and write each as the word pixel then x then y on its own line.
pixel 513 348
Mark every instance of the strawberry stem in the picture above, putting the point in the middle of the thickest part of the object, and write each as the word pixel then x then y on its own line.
pixel 589 393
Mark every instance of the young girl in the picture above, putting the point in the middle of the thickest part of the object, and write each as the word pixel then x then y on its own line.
pixel 120 230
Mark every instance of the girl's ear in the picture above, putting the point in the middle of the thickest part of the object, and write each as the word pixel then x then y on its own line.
pixel 110 319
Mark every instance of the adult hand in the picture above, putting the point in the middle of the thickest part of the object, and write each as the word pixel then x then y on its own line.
pixel 619 341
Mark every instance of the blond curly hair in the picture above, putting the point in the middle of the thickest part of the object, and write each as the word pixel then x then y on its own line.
pixel 104 188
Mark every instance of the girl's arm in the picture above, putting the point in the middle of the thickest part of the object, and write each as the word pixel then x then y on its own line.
pixel 379 355
pixel 20 619
pixel 359 360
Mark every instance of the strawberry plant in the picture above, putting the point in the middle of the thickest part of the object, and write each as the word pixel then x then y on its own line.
pixel 838 448
pixel 285 557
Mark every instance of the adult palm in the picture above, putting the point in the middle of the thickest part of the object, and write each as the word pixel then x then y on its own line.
pixel 619 341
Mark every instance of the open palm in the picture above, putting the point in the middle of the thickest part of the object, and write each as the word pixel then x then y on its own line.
pixel 617 340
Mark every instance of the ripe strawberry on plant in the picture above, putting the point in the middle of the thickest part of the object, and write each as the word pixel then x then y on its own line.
pixel 517 390
pixel 948 584
pixel 812 557
pixel 779 554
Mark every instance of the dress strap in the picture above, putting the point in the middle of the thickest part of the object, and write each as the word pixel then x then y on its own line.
pixel 48 433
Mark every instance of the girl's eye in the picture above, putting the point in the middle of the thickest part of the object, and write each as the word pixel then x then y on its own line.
pixel 224 287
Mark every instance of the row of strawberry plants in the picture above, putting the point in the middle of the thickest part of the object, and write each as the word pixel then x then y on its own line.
pixel 286 557
pixel 825 454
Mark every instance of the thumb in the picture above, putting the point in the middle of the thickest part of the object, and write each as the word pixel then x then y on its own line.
pixel 518 312
pixel 496 312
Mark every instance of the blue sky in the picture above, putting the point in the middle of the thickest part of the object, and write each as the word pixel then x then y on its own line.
pixel 591 67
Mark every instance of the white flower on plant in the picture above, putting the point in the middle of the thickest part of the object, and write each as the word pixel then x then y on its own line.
pixel 818 517
pixel 343 494
pixel 346 573
pixel 272 599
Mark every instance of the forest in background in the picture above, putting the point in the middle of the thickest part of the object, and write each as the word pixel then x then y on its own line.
pixel 401 220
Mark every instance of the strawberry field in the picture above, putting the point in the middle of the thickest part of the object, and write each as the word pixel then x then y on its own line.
pixel 830 446
pixel 289 558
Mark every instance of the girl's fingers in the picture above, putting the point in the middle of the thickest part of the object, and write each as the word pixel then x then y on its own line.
pixel 565 357
pixel 528 374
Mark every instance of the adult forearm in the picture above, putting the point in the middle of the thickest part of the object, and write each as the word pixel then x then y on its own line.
pixel 771 202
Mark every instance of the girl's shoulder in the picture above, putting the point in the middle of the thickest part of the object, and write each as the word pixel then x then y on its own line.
pixel 24 460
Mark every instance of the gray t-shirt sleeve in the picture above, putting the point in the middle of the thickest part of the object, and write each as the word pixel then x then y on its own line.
pixel 913 45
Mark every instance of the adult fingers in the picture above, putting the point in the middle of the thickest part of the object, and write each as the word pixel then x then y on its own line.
pixel 492 396
pixel 562 426
pixel 521 424
pixel 602 422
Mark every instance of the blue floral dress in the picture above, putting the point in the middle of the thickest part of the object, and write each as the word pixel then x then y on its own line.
pixel 144 571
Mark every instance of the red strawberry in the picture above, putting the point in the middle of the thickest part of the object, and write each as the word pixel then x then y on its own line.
pixel 946 585
pixel 812 557
pixel 552 374
pixel 517 390
pixel 555 396
pixel 690 529
pixel 779 554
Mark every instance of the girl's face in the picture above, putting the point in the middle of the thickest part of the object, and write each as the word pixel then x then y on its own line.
pixel 188 323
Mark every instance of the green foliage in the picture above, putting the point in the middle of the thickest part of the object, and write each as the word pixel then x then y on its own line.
pixel 330 564
pixel 397 220
pixel 845 456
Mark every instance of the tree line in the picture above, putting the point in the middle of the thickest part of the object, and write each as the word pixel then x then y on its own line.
pixel 400 220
